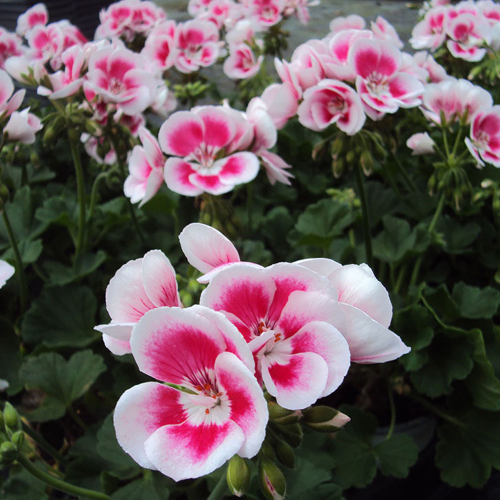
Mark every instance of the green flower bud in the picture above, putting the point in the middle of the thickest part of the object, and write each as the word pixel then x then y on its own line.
pixel 238 476
pixel 8 451
pixel 35 159
pixel 11 417
pixel 282 415
pixel 285 454
pixel 293 434
pixel 338 167
pixel 366 161
pixel 91 127
pixel 272 481
pixel 18 439
pixel 337 146
pixel 267 450
pixel 324 419
pixel 73 134
pixel 350 157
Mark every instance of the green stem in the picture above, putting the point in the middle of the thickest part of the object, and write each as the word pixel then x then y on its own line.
pixel 81 194
pixel 220 489
pixel 445 141
pixel 437 411
pixel 457 141
pixel 409 183
pixel 93 200
pixel 393 411
pixel 21 277
pixel 400 278
pixel 366 219
pixel 249 206
pixel 44 444
pixel 58 484
pixel 72 413
pixel 430 229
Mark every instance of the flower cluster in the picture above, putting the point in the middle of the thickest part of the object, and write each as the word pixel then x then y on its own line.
pixel 294 328
pixel 465 29
pixel 352 73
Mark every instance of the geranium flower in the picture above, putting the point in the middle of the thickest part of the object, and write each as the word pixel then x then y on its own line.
pixel 468 33
pixel 384 30
pixel 6 272
pixel 332 101
pixel 10 45
pixel 421 144
pixel 484 142
pixel 34 16
pixel 221 410
pixel 146 169
pixel 379 82
pixel 160 46
pixel 8 102
pixel 242 63
pixel 265 13
pixel 22 126
pixel 352 22
pixel 199 138
pixel 284 312
pixel 430 33
pixel 137 287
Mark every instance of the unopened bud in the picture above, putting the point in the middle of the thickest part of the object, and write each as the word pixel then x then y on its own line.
pixel 336 147
pixel 267 450
pixel 282 415
pixel 35 159
pixel 8 451
pixel 73 134
pixel 366 161
pixel 350 157
pixel 4 193
pixel 18 439
pixel 318 150
pixel 338 167
pixel 238 475
pixel 11 417
pixel 293 434
pixel 285 454
pixel 324 418
pixel 272 481
pixel 91 127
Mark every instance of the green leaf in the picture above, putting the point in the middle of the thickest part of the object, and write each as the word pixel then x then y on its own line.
pixel 381 201
pixel 61 210
pixel 141 489
pixel 465 455
pixel 458 237
pixel 10 357
pixel 62 381
pixel 275 227
pixel 30 250
pixel 305 478
pixel 396 455
pixel 61 317
pixel 21 485
pixel 476 302
pixel 323 221
pixel 397 238
pixel 255 251
pixel 441 304
pixel 86 264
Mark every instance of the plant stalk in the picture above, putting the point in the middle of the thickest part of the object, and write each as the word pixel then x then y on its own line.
pixel 58 484
pixel 437 411
pixel 47 447
pixel 220 489
pixel 366 217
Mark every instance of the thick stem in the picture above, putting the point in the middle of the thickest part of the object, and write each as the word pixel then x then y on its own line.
pixel 58 484
pixel 437 411
pixel 47 447
pixel 72 413
pixel 93 200
pixel 393 411
pixel 366 217
pixel 81 193
pixel 220 489
pixel 21 277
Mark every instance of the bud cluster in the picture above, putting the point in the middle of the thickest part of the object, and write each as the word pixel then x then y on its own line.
pixel 11 436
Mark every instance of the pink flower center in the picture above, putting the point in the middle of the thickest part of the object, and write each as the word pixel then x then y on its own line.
pixel 482 139
pixel 336 105
pixel 116 86
pixel 376 83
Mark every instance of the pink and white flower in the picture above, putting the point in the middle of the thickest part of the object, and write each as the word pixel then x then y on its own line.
pixel 484 142
pixel 197 44
pixel 146 169
pixel 430 33
pixel 46 43
pixel 436 72
pixel 242 63
pixel 468 33
pixel 137 287
pixel 116 76
pixel 265 13
pixel 380 82
pixel 221 410
pixel 93 144
pixel 281 101
pixel 207 250
pixel 6 272
pixel 35 16
pixel 384 30
pixel 8 102
pixel 352 22
pixel 10 45
pixel 421 144
pixel 197 140
pixel 160 47
pixel 332 102
pixel 22 126
pixel 284 312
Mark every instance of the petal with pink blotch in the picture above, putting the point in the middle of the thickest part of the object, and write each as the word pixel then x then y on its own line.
pixel 276 168
pixel 210 183
pixel 243 291
pixel 152 149
pixel 404 86
pixel 295 380
pixel 238 168
pixel 248 406
pixel 369 341
pixel 153 184
pixel 158 277
pixel 290 278
pixel 235 343
pixel 361 289
pixel 191 450
pixel 219 128
pixel 181 134
pixel 140 412
pixel 206 248
pixel 176 345
pixel 324 339
pixel 368 57
pixel 177 174
pixel 126 298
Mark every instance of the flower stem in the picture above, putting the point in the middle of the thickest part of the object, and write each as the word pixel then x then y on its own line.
pixel 220 488
pixel 393 411
pixel 366 218
pixel 21 277
pixel 437 411
pixel 47 447
pixel 80 191
pixel 72 413
pixel 93 200
pixel 58 484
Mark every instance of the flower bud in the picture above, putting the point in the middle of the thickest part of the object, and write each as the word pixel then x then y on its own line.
pixel 35 159
pixel 11 417
pixel 336 147
pixel 284 453
pixel 267 450
pixel 350 157
pixel 324 419
pixel 8 451
pixel 238 476
pixel 281 415
pixel 18 439
pixel 91 127
pixel 366 161
pixel 293 434
pixel 272 481
pixel 338 167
